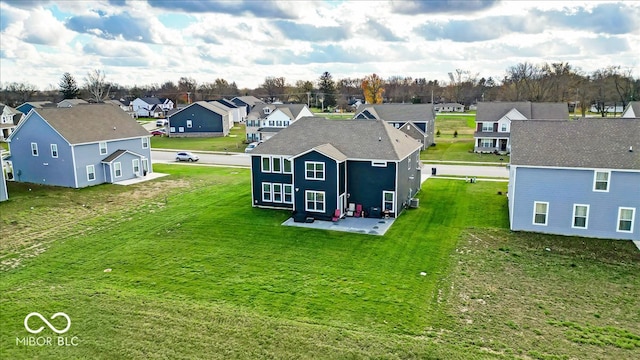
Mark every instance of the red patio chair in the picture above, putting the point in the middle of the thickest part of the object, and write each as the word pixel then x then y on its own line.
pixel 336 215
pixel 358 211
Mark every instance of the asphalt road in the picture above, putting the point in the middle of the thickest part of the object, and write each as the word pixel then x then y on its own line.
pixel 241 159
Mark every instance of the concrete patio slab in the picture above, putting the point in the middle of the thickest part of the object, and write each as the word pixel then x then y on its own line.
pixel 151 176
pixel 369 226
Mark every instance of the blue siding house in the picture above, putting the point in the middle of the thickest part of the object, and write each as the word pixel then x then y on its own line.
pixel 200 119
pixel 317 166
pixel 415 120
pixel 79 146
pixel 579 178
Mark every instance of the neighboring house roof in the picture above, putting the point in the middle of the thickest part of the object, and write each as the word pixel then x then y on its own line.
pixel 586 143
pixel 249 100
pixel 494 111
pixel 116 154
pixel 205 105
pixel 38 104
pixel 447 105
pixel 632 110
pixel 355 139
pixel 152 100
pixel 227 103
pixel 73 101
pixel 90 123
pixel 291 110
pixel 399 112
pixel 220 105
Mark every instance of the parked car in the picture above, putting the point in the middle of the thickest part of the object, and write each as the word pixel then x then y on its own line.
pixel 162 122
pixel 251 146
pixel 186 156
pixel 160 132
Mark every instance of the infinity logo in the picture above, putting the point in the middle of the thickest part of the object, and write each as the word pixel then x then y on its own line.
pixel 26 323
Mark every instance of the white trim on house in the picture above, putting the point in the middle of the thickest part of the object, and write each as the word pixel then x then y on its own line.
pixel 135 163
pixel 393 201
pixel 546 213
pixel 117 166
pixel 93 171
pixel 632 220
pixel 574 168
pixel 314 170
pixel 54 151
pixel 378 163
pixel 101 147
pixel 315 201
pixel 34 149
pixel 596 181
pixel 266 191
pixel 586 217
pixel 145 144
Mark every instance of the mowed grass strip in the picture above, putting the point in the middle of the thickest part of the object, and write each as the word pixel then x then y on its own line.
pixel 235 142
pixel 205 251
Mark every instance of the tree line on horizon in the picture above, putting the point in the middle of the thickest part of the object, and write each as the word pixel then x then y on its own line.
pixel 554 82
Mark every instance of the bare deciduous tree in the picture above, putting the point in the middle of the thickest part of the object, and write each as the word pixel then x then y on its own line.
pixel 97 85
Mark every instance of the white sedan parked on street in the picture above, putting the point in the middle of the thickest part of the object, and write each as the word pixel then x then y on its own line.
pixel 186 156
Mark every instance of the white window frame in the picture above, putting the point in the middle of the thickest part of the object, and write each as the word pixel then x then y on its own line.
pixel 91 170
pixel 180 129
pixel 274 193
pixel 503 128
pixel 287 190
pixel 484 142
pixel 34 149
pixel 103 148
pixel 135 163
pixel 385 201
pixel 276 160
pixel 265 169
pixel 266 192
pixel 172 129
pixel 315 170
pixel 117 169
pixel 189 124
pixel 145 142
pixel 379 163
pixel 315 201
pixel 546 214
pixel 284 168
pixel 633 217
pixel 484 128
pixel 586 217
pixel 595 180
pixel 54 150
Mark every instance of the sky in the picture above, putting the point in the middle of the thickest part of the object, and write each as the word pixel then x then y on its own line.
pixel 144 42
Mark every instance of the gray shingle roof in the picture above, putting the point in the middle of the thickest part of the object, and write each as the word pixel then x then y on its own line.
pixel 291 110
pixel 92 123
pixel 355 139
pixel 494 111
pixel 586 143
pixel 399 112
pixel 211 107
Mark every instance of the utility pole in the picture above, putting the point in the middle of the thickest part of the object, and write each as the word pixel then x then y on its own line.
pixel 308 94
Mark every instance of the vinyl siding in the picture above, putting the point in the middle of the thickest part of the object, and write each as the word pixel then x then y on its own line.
pixel 258 177
pixel 328 185
pixel 204 122
pixel 365 183
pixel 562 189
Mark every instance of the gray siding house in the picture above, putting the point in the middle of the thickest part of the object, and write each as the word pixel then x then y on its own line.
pixel 493 121
pixel 200 119
pixel 578 178
pixel 416 120
pixel 632 110
pixel 345 164
pixel 79 146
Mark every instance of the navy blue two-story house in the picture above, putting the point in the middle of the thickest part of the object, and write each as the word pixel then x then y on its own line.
pixel 200 119
pixel 317 166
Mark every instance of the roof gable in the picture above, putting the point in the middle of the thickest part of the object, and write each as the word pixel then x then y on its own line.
pixel 400 112
pixel 208 106
pixel 493 111
pixel 632 110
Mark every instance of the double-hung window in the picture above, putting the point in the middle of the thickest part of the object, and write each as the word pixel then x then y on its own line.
pixel 266 164
pixel 601 180
pixel 266 192
pixel 288 193
pixel 580 216
pixel 286 166
pixel 91 173
pixel 487 127
pixel 34 149
pixel 103 148
pixel 276 165
pixel 625 219
pixel 540 212
pixel 117 169
pixel 54 150
pixel 277 193
pixel 314 170
pixel 145 142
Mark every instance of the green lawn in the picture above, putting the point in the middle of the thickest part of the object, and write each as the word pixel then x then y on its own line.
pixel 232 143
pixel 198 273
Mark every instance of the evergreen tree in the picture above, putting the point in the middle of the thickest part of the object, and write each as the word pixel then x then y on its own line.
pixel 327 88
pixel 68 86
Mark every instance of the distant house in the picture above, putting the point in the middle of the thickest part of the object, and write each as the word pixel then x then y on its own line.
pixel 265 120
pixel 246 102
pixel 236 114
pixel 577 178
pixel 79 146
pixel 448 107
pixel 25 107
pixel 367 165
pixel 9 119
pixel 200 119
pixel 151 106
pixel 4 194
pixel 71 102
pixel 228 110
pixel 123 104
pixel 632 110
pixel 493 121
pixel 416 120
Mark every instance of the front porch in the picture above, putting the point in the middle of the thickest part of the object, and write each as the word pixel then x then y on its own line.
pixel 360 225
